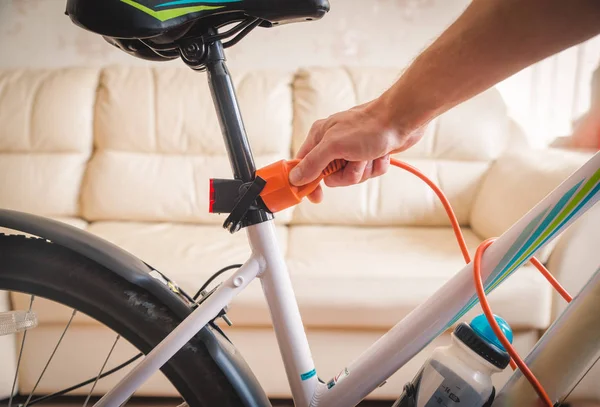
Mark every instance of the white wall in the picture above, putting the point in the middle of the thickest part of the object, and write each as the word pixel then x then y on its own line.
pixel 37 33
pixel 544 98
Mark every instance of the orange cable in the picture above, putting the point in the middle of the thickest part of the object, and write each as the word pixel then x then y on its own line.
pixel 546 273
pixel 516 360
pixel 539 389
pixel 455 226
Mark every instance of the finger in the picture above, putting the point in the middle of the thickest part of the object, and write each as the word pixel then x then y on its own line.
pixel 350 175
pixel 334 179
pixel 368 172
pixel 310 167
pixel 317 195
pixel 337 178
pixel 381 166
pixel 312 139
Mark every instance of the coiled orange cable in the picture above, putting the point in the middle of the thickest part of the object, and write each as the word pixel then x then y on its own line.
pixel 516 360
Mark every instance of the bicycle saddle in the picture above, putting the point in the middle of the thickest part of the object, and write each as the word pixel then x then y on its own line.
pixel 150 28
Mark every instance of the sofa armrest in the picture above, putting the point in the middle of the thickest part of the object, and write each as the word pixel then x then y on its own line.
pixel 515 183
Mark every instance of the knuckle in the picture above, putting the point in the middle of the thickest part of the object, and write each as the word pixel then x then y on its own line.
pixel 318 125
pixel 316 129
pixel 336 146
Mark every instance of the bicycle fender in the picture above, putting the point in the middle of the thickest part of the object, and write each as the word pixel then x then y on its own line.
pixel 141 274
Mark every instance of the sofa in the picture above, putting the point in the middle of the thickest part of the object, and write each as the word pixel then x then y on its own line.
pixel 126 154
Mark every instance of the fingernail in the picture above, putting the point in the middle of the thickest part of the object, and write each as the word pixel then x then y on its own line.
pixel 295 175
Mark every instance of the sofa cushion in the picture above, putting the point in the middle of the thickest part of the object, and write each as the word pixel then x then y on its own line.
pixel 158 141
pixel 45 184
pixel 190 254
pixel 373 277
pixel 515 183
pixel 130 186
pixel 45 138
pixel 399 197
pixel 363 278
pixel 476 130
pixel 456 150
pixel 76 222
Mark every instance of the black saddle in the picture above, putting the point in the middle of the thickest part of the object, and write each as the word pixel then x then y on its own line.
pixel 155 29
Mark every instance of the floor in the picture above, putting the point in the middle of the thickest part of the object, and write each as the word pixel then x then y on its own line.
pixel 363 404
pixel 154 402
pixel 76 401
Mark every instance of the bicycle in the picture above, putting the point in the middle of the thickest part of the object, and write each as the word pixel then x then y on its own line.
pixel 182 337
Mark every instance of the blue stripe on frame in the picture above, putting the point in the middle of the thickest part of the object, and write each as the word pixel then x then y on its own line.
pixel 511 254
pixel 559 205
pixel 541 229
pixel 308 375
pixel 575 211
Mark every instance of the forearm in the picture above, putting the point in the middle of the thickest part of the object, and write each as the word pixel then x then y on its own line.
pixel 490 41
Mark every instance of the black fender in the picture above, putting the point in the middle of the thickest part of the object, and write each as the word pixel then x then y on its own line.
pixel 137 272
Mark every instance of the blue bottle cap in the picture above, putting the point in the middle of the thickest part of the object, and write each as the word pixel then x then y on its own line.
pixel 480 325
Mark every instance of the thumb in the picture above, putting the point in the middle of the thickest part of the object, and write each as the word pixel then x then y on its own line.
pixel 311 166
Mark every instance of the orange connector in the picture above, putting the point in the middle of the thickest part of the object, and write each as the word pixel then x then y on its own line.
pixel 278 194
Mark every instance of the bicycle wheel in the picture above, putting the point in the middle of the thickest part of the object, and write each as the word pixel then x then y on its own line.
pixel 40 268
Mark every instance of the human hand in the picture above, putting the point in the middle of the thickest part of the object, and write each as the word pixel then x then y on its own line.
pixel 365 136
pixel 587 132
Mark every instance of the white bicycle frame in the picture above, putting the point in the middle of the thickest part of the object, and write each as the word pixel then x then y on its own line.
pixel 515 247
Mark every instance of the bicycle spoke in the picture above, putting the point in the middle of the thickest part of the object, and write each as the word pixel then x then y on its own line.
pixel 86 382
pixel 101 370
pixel 12 390
pixel 50 358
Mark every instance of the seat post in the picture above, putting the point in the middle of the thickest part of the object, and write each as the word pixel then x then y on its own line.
pixel 228 112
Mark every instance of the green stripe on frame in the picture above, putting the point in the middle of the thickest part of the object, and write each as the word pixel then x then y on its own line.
pixel 589 190
pixel 524 246
pixel 506 261
pixel 583 195
pixel 169 14
pixel 567 219
pixel 520 242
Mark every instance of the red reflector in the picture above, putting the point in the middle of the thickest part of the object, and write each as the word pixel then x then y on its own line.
pixel 211 195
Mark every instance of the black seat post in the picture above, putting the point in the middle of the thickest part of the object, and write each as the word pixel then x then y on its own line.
pixel 228 112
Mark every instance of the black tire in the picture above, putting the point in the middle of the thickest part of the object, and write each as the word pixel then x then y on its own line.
pixel 36 266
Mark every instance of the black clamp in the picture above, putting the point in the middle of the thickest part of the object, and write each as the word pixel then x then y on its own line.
pixel 234 221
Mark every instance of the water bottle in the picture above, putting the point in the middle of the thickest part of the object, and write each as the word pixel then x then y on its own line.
pixel 460 375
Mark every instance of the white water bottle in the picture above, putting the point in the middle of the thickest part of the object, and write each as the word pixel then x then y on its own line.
pixel 460 375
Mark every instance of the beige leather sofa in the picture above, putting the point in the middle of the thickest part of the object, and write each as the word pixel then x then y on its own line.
pixel 126 153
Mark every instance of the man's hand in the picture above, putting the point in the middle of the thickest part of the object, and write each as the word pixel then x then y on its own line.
pixel 365 136
pixel 490 41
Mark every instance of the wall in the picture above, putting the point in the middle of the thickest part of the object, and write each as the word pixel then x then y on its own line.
pixel 543 99
pixel 37 33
